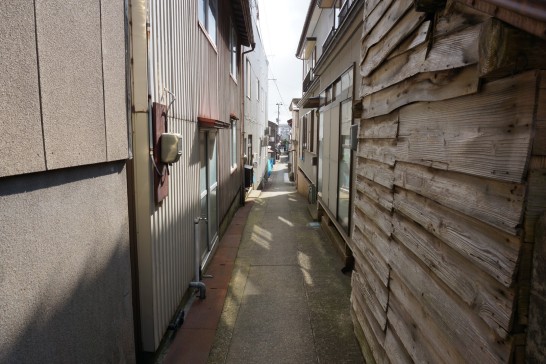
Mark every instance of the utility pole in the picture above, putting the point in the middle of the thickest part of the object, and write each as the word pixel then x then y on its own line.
pixel 278 112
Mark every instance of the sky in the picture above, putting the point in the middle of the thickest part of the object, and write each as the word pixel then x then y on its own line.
pixel 280 24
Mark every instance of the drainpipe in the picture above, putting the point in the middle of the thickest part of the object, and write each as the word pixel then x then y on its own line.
pixel 197 283
pixel 243 74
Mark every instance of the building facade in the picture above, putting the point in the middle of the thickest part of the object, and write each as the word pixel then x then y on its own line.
pixel 255 140
pixel 97 239
pixel 188 74
pixel 446 198
pixel 65 276
pixel 329 49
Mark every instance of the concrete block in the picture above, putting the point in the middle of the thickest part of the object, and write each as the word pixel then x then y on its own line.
pixel 113 58
pixel 20 124
pixel 69 51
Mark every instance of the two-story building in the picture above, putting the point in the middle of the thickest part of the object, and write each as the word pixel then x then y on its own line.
pixel 192 74
pixel 444 207
pixel 121 123
pixel 329 48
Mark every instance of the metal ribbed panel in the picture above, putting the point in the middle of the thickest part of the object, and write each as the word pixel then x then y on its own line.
pixel 171 37
pixel 182 61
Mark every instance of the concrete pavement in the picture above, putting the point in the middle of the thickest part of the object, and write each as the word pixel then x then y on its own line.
pixel 287 301
pixel 277 294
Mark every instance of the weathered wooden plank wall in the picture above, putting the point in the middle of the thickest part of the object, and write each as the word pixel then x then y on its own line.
pixel 447 192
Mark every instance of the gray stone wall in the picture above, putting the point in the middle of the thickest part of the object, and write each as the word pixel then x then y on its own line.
pixel 65 277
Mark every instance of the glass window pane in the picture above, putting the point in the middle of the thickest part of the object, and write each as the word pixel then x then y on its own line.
pixel 211 20
pixel 203 163
pixel 233 143
pixel 202 11
pixel 337 89
pixel 203 231
pixel 212 158
pixel 233 50
pixel 213 220
pixel 344 172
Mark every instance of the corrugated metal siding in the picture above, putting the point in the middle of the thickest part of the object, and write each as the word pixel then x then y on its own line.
pixel 172 222
pixel 182 61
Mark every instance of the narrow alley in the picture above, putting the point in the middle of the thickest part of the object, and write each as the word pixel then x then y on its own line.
pixel 287 300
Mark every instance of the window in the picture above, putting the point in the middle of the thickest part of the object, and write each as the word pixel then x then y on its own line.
pixel 344 167
pixel 233 51
pixel 303 145
pixel 257 89
pixel 308 132
pixel 248 83
pixel 233 141
pixel 207 17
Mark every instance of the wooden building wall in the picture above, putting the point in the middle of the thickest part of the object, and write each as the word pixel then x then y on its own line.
pixel 448 185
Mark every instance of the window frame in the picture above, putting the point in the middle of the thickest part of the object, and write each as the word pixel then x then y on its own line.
pixel 248 83
pixel 233 52
pixel 206 8
pixel 233 145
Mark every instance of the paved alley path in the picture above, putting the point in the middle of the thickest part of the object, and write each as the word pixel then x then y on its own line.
pixel 287 301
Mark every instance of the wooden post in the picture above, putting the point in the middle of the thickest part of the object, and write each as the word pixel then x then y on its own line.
pixel 505 50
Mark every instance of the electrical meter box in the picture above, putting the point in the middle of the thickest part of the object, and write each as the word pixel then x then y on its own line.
pixel 171 147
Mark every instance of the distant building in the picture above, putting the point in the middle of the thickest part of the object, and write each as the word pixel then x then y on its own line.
pixel 284 132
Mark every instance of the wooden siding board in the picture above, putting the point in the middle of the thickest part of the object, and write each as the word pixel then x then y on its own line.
pixel 466 330
pixel 380 150
pixel 387 16
pixel 539 141
pixel 505 50
pixel 373 12
pixel 375 171
pixel 452 51
pixel 487 135
pixel 376 260
pixel 428 86
pixel 377 53
pixel 372 211
pixel 521 21
pixel 488 298
pixel 381 195
pixel 456 17
pixel 370 278
pixel 536 199
pixel 362 289
pixel 419 332
pixel 414 40
pixel 496 203
pixel 394 349
pixel 373 334
pixel 381 127
pixel 493 251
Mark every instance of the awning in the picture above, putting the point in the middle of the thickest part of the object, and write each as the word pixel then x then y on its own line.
pixel 212 123
pixel 328 3
pixel 243 21
pixel 311 103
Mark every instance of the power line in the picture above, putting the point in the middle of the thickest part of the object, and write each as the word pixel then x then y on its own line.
pixel 276 85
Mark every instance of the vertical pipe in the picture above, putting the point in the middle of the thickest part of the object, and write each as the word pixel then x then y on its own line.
pixel 197 283
pixel 196 255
